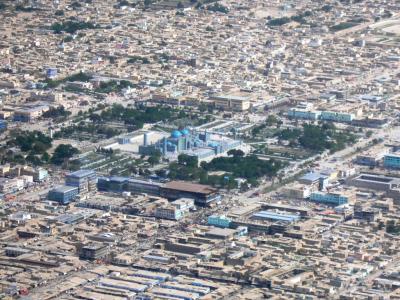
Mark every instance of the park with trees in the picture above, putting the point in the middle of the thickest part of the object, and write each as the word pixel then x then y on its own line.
pixel 235 166
pixel 32 147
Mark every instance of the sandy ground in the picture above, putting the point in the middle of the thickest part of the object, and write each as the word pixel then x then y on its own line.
pixel 395 29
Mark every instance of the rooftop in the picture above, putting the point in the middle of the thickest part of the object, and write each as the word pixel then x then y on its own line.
pixel 63 189
pixel 81 173
pixel 190 187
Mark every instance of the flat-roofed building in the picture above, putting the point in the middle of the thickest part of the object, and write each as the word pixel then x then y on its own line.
pixel 30 114
pixel 376 182
pixel 298 113
pixel 219 221
pixel 298 191
pixel 85 180
pixel 143 186
pixel 169 212
pixel 123 285
pixel 63 194
pixel 186 287
pixel 174 294
pixel 152 275
pixel 93 251
pixel 391 160
pixel 16 251
pixel 119 184
pixel 273 216
pixel 231 102
pixel 203 195
pixel 337 116
pixel 10 185
pixel 371 158
pixel 329 198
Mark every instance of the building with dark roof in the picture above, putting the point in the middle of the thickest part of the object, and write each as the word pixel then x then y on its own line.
pixel 63 194
pixel 203 195
pixel 118 184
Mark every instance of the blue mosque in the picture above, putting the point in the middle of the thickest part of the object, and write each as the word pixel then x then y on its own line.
pixel 203 145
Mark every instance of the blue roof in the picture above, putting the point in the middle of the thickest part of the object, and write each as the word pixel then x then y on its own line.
pixel 63 189
pixel 81 173
pixel 119 179
pixel 275 216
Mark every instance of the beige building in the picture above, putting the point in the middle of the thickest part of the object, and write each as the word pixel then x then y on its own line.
pixel 231 102
pixel 30 114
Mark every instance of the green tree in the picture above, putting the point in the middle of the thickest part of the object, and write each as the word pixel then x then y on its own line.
pixel 153 160
pixel 271 120
pixel 203 107
pixel 188 160
pixel 63 153
pixel 34 141
pixel 45 157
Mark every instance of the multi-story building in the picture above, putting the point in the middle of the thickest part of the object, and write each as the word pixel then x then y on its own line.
pixel 376 182
pixel 299 191
pixel 8 185
pixel 113 184
pixel 231 102
pixel 203 195
pixel 84 180
pixel 329 198
pixel 39 174
pixel 169 212
pixel 297 113
pixel 184 204
pixel 94 251
pixel 118 184
pixel 63 194
pixel 336 116
pixel 219 221
pixel 314 115
pixel 391 161
pixel 29 114
pixel 371 158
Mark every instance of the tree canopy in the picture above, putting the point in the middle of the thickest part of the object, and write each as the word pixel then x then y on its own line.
pixel 318 137
pixel 34 141
pixel 236 166
pixel 72 26
pixel 62 153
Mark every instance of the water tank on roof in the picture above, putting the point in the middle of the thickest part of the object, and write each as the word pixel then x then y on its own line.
pixel 185 132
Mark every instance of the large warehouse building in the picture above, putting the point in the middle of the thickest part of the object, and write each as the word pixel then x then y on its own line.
pixel 203 195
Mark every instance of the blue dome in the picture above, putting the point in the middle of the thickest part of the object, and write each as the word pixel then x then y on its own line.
pixel 185 131
pixel 176 134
